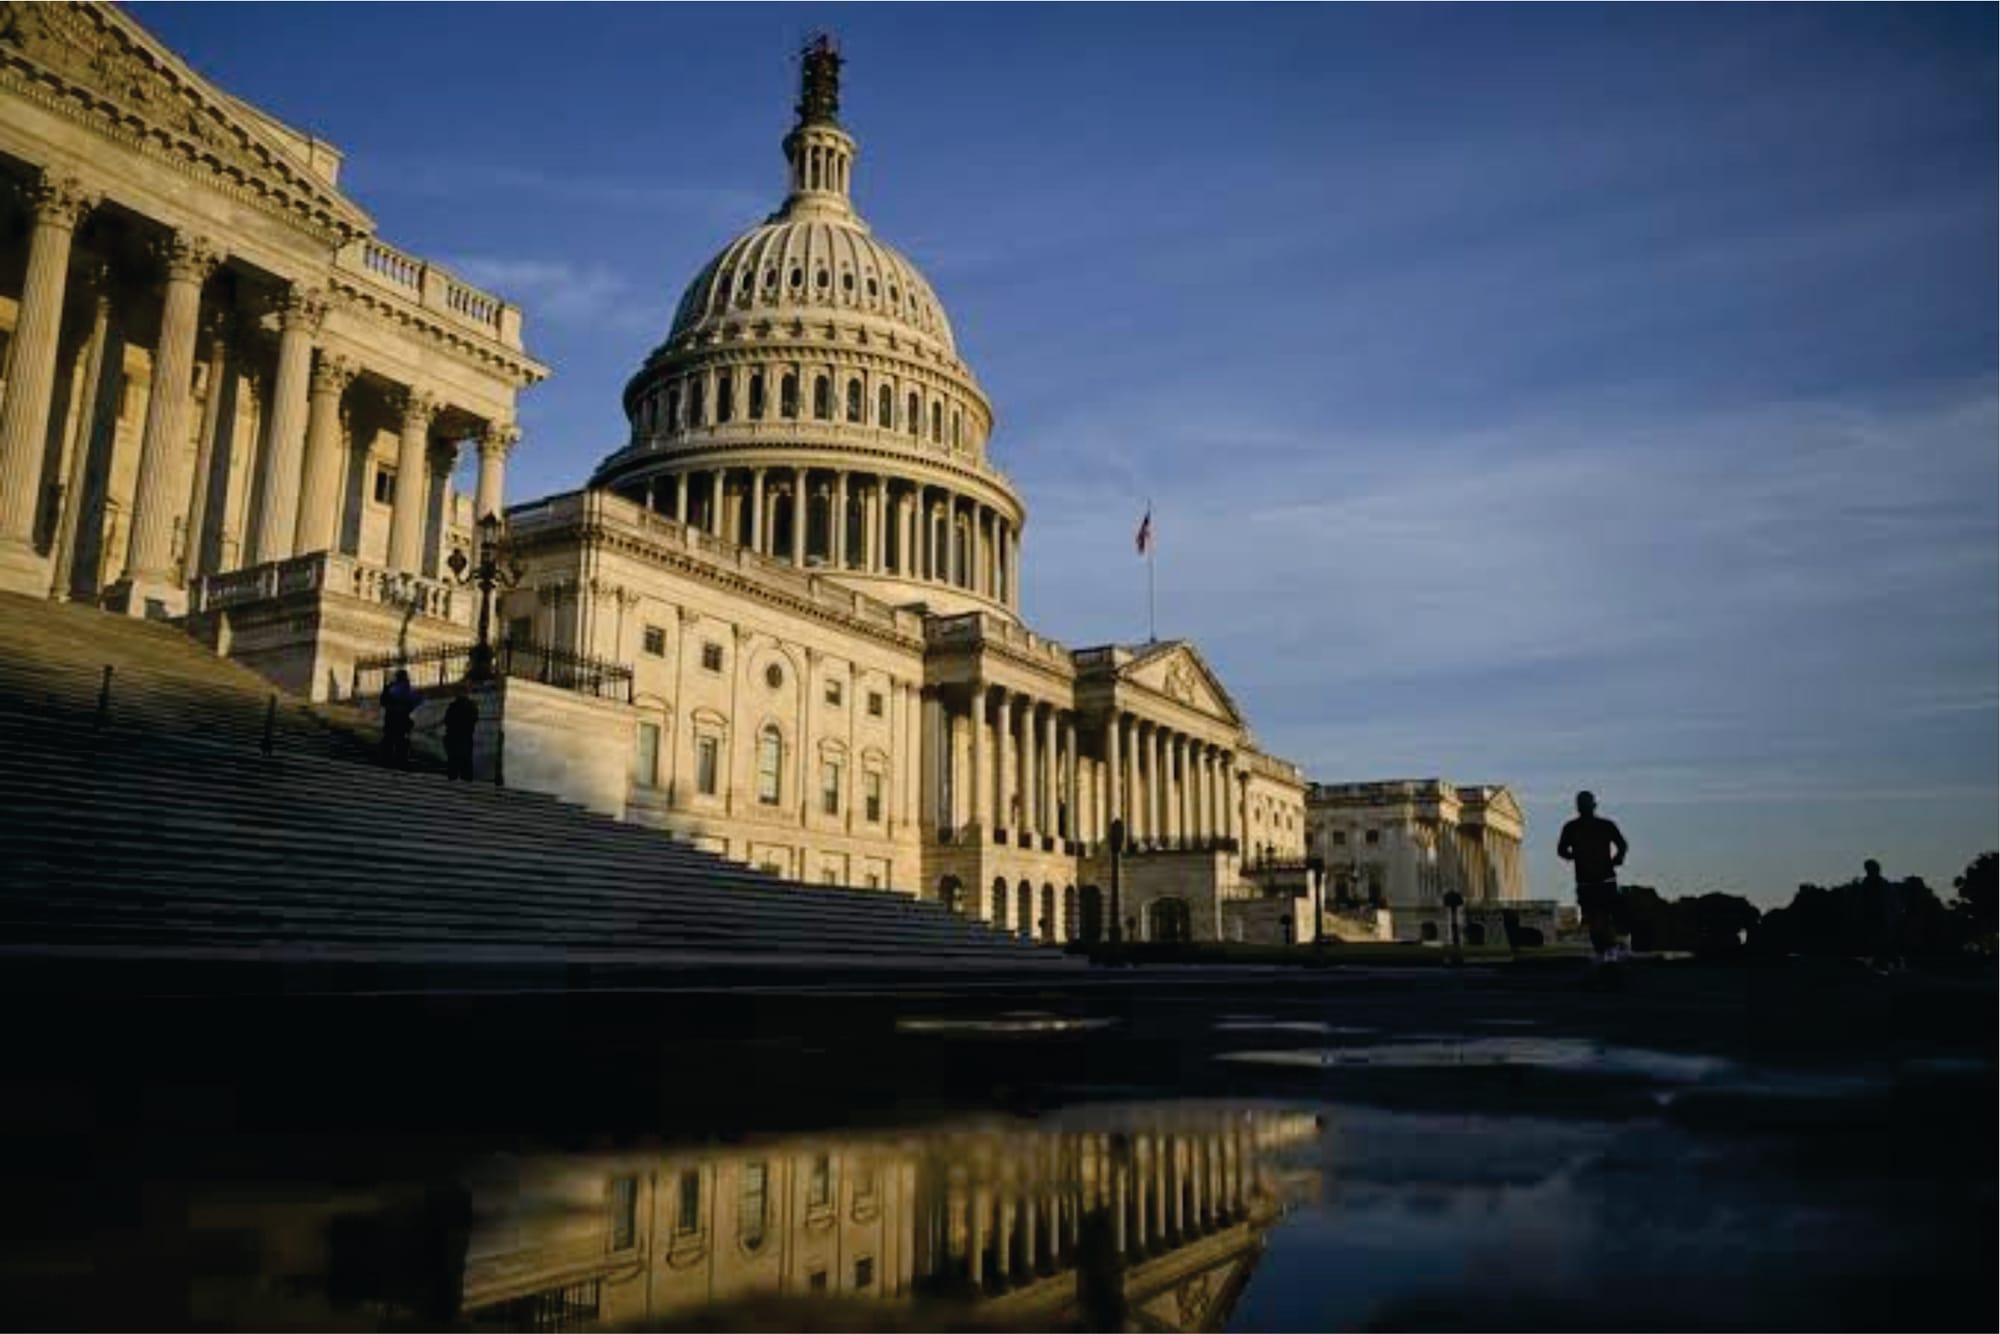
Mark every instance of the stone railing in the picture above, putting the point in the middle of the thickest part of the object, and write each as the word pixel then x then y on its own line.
pixel 978 627
pixel 382 265
pixel 613 512
pixel 334 573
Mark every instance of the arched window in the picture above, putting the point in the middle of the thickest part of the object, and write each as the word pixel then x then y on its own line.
pixel 916 417
pixel 725 397
pixel 696 415
pixel 854 400
pixel 885 408
pixel 770 765
pixel 937 423
pixel 673 421
pixel 757 395
pixel 788 396
pixel 957 439
pixel 822 398
pixel 997 903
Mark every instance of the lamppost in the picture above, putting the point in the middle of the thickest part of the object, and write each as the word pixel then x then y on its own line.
pixel 486 575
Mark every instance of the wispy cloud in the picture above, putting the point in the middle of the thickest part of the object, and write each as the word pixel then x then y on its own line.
pixel 445 176
pixel 563 291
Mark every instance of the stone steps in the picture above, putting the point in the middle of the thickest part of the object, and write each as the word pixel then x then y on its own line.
pixel 169 834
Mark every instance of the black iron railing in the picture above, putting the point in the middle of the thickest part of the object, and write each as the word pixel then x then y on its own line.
pixel 524 660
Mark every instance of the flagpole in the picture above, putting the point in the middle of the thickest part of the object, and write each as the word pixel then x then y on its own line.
pixel 1152 623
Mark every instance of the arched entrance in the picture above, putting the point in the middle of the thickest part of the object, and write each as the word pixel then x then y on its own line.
pixel 1090 915
pixel 1429 931
pixel 1048 923
pixel 1070 923
pixel 951 894
pixel 996 905
pixel 1167 920
pixel 1024 919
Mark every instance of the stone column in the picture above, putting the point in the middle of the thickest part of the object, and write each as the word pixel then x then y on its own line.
pixel 715 497
pixel 1114 723
pixel 1051 777
pixel 1013 569
pixel 756 510
pixel 299 314
pixel 1031 771
pixel 80 450
pixel 878 541
pixel 982 791
pixel 150 574
pixel 413 459
pixel 837 530
pixel 496 442
pixel 681 498
pixel 58 204
pixel 1072 824
pixel 319 489
pixel 801 506
pixel 1009 816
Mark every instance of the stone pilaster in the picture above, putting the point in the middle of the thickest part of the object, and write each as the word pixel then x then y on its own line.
pixel 982 776
pixel 406 519
pixel 152 580
pixel 58 204
pixel 319 488
pixel 299 314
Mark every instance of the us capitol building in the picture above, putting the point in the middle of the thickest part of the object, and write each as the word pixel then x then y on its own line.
pixel 783 618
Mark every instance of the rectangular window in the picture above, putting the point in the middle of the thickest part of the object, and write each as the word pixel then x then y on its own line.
pixel 385 484
pixel 687 1218
pixel 864 1272
pixel 816 1280
pixel 833 693
pixel 646 756
pixel 521 630
pixel 711 657
pixel 871 788
pixel 624 1213
pixel 1373 837
pixel 819 1190
pixel 1340 838
pixel 770 767
pixel 707 751
pixel 829 787
pixel 656 642
pixel 874 704
pixel 750 1216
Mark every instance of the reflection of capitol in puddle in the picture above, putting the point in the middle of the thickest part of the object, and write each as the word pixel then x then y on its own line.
pixel 1155 1212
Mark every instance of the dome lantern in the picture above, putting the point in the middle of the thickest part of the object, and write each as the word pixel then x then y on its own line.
pixel 819 151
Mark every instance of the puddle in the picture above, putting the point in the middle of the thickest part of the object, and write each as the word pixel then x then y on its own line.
pixel 1006 1023
pixel 1572 1054
pixel 1293 1026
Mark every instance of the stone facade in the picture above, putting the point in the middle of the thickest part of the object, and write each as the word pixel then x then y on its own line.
pixel 229 404
pixel 1405 844
pixel 221 386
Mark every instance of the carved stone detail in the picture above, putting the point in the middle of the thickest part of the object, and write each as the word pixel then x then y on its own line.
pixel 189 256
pixel 332 375
pixel 60 200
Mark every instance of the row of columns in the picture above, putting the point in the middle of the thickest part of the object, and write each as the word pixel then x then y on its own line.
pixel 864 522
pixel 1013 1214
pixel 1029 775
pixel 304 437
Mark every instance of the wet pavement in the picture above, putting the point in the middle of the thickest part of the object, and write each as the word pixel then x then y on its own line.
pixel 1252 1150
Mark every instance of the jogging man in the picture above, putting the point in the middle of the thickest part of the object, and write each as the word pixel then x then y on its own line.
pixel 1597 849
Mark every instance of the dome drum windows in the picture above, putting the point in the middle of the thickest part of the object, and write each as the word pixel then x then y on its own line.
pixel 788 396
pixel 725 397
pixel 757 395
pixel 937 423
pixel 673 421
pixel 822 398
pixel 885 408
pixel 854 400
pixel 915 418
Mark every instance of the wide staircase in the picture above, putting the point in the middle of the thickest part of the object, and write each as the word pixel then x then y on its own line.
pixel 196 817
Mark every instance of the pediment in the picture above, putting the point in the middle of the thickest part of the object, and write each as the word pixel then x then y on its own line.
pixel 93 63
pixel 1177 671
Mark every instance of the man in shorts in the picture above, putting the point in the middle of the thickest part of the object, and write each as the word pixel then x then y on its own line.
pixel 1596 848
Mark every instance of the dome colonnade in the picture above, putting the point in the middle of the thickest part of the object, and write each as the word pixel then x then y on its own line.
pixel 809 401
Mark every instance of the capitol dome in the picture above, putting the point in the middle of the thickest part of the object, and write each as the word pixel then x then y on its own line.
pixel 809 400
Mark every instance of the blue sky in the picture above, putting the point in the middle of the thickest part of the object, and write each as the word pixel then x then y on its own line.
pixel 1561 396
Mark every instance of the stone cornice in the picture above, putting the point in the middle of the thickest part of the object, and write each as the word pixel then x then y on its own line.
pixel 629 466
pixel 91 64
pixel 519 370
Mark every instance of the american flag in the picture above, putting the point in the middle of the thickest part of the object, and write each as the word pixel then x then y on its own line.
pixel 1146 531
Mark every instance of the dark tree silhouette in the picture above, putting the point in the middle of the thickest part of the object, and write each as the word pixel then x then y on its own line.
pixel 1974 905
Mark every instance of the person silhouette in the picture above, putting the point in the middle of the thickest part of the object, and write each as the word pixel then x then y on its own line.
pixel 1597 849
pixel 1881 910
pixel 399 707
pixel 461 720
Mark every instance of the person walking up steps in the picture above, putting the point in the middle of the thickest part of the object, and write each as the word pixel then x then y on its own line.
pixel 1597 849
